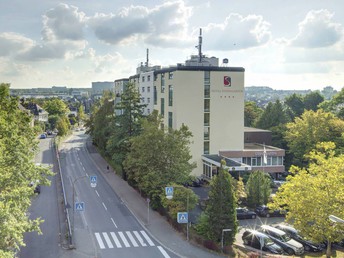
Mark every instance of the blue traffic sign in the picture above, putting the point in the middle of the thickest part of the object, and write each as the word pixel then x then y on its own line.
pixel 182 217
pixel 169 190
pixel 79 206
pixel 93 179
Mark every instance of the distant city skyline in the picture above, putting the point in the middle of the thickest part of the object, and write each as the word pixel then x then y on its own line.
pixel 289 46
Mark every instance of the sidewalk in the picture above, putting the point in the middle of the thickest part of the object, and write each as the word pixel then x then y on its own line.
pixel 159 228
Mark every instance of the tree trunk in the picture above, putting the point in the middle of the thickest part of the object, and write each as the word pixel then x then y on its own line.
pixel 328 249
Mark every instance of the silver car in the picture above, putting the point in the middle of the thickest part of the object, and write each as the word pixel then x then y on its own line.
pixel 289 245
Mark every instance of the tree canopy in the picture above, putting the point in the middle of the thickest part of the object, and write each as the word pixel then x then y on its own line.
pixel 258 188
pixel 312 194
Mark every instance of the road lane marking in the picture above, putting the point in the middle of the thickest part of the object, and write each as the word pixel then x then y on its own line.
pixel 100 241
pixel 86 174
pixel 114 237
pixel 126 243
pixel 107 239
pixel 164 253
pixel 97 193
pixel 104 206
pixel 139 238
pixel 147 238
pixel 113 222
pixel 131 238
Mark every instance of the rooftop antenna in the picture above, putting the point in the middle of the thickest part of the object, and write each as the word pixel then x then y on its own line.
pixel 200 46
pixel 147 60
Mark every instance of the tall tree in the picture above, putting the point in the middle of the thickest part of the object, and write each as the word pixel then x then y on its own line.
pixel 251 113
pixel 272 116
pixel 312 194
pixel 127 124
pixel 305 132
pixel 158 158
pixel 56 106
pixel 295 105
pixel 221 208
pixel 312 100
pixel 258 188
pixel 18 146
pixel 335 105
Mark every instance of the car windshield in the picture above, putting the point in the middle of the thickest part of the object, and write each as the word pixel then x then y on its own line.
pixel 285 237
pixel 268 241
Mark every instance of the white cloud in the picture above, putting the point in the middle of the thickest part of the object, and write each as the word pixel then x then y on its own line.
pixel 63 22
pixel 238 32
pixel 318 30
pixel 13 43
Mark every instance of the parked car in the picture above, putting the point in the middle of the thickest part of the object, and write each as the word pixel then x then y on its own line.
pixel 244 213
pixel 289 245
pixel 264 211
pixel 260 241
pixel 43 136
pixel 308 245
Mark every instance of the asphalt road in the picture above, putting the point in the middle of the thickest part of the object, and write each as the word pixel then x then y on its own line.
pixel 103 227
pixel 44 206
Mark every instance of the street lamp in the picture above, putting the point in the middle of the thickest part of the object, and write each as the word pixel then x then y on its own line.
pixel 224 230
pixel 335 219
pixel 73 184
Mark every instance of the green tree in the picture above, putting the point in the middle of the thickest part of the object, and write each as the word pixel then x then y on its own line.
pixel 258 188
pixel 81 114
pixel 335 105
pixel 312 100
pixel 158 159
pixel 305 132
pixel 221 209
pixel 295 105
pixel 240 191
pixel 55 106
pixel 127 124
pixel 312 194
pixel 272 116
pixel 251 113
pixel 18 146
pixel 62 125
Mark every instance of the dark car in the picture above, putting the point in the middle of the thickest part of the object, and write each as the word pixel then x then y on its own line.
pixel 43 136
pixel 243 213
pixel 261 241
pixel 37 187
pixel 289 245
pixel 308 245
pixel 264 211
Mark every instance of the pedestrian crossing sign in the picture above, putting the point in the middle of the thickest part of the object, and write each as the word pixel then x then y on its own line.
pixel 79 206
pixel 182 217
pixel 169 191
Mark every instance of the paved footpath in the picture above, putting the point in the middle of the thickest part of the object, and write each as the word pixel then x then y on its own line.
pixel 157 225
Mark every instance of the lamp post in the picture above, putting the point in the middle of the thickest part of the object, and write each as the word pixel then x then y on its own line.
pixel 170 196
pixel 73 184
pixel 224 230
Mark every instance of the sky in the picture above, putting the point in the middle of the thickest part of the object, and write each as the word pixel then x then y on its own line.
pixel 286 45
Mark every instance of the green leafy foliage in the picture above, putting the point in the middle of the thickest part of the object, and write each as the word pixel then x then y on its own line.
pixel 18 146
pixel 258 188
pixel 312 194
pixel 158 158
pixel 220 212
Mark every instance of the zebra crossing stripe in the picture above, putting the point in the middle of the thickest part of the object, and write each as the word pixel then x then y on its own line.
pixel 126 243
pixel 139 238
pixel 132 239
pixel 164 253
pixel 114 237
pixel 147 238
pixel 107 239
pixel 100 241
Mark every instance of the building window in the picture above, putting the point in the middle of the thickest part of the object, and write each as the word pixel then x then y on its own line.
pixel 148 110
pixel 206 133
pixel 162 83
pixel 155 96
pixel 143 89
pixel 206 105
pixel 207 91
pixel 206 77
pixel 170 75
pixel 155 77
pixel 148 100
pixel 148 78
pixel 143 100
pixel 143 79
pixel 148 89
pixel 206 148
pixel 170 95
pixel 170 119
pixel 162 107
pixel 206 119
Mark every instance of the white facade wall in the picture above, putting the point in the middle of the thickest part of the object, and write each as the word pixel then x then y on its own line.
pixel 226 109
pixel 146 87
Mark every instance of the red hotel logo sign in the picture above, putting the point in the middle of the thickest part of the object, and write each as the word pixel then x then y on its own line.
pixel 227 82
